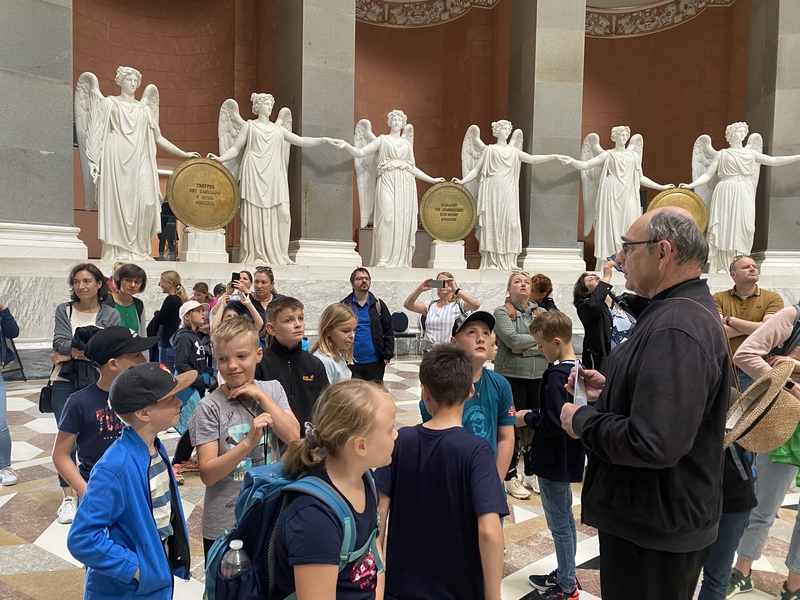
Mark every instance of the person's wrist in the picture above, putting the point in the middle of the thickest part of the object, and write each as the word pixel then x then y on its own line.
pixel 728 321
pixel 457 292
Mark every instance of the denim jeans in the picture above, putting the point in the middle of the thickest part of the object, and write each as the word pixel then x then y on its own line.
pixel 717 570
pixel 745 381
pixel 166 356
pixel 772 484
pixel 62 390
pixel 557 504
pixel 5 436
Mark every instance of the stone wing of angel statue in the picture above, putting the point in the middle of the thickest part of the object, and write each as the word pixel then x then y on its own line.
pixel 703 153
pixel 228 128
pixel 516 139
pixel 285 120
pixel 89 131
pixel 471 151
pixel 590 180
pixel 408 133
pixel 366 171
pixel 756 143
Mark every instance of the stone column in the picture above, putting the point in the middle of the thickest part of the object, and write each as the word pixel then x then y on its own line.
pixel 545 98
pixel 36 162
pixel 773 98
pixel 314 77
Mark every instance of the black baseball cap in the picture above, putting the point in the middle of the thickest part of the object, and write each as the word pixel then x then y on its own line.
pixel 115 341
pixel 143 385
pixel 475 315
pixel 219 288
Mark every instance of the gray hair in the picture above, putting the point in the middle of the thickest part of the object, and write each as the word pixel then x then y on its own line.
pixel 498 125
pixel 259 99
pixel 123 72
pixel 684 235
pixel 615 131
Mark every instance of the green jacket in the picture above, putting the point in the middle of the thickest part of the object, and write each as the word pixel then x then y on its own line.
pixel 513 335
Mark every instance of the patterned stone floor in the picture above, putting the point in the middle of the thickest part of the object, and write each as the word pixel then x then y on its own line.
pixel 34 560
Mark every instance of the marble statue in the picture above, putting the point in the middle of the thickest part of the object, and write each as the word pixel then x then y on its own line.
pixel 610 181
pixel 491 174
pixel 117 140
pixel 726 180
pixel 385 172
pixel 256 152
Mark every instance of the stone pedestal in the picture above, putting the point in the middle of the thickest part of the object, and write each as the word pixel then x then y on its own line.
pixel 28 240
pixel 783 263
pixel 546 260
pixel 447 255
pixel 203 246
pixel 324 253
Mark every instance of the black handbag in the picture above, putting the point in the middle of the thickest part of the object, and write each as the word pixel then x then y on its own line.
pixel 46 396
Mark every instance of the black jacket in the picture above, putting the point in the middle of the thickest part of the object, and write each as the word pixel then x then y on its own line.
pixel 655 468
pixel 167 319
pixel 555 455
pixel 301 374
pixel 380 324
pixel 192 353
pixel 8 329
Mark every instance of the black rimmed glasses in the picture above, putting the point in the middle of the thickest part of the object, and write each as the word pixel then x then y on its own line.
pixel 626 245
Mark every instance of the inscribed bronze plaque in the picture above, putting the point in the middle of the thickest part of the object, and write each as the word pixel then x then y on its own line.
pixel 686 199
pixel 448 212
pixel 203 194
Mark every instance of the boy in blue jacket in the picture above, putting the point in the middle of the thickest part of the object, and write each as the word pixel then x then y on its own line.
pixel 129 530
pixel 557 458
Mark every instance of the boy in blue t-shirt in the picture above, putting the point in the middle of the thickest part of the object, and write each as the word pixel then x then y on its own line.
pixel 490 412
pixel 557 458
pixel 442 485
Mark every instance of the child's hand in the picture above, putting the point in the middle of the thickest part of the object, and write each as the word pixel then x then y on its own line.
pixel 521 417
pixel 257 427
pixel 248 390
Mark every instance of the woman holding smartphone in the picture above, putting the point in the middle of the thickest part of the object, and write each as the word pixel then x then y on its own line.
pixel 440 314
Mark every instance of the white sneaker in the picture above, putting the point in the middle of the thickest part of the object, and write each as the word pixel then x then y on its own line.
pixel 515 489
pixel 66 512
pixel 8 477
pixel 532 483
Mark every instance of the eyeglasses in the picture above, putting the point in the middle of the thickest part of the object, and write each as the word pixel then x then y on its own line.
pixel 626 245
pixel 263 269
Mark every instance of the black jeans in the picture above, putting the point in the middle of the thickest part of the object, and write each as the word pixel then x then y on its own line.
pixel 630 571
pixel 526 397
pixel 370 371
pixel 184 449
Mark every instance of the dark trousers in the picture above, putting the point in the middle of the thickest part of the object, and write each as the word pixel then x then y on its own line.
pixel 526 397
pixel 183 451
pixel 630 571
pixel 207 546
pixel 370 371
pixel 61 391
pixel 717 570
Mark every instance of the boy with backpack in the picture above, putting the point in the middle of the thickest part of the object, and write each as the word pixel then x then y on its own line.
pixel 432 462
pixel 557 458
pixel 129 530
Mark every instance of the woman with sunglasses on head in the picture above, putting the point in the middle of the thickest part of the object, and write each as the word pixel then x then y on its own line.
pixel 264 292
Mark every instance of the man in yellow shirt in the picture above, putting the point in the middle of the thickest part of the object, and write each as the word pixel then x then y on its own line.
pixel 745 307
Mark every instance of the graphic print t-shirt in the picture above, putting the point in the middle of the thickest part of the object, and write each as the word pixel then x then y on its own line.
pixel 89 417
pixel 310 533
pixel 217 419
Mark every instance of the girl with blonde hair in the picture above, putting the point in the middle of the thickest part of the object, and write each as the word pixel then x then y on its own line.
pixel 167 320
pixel 337 330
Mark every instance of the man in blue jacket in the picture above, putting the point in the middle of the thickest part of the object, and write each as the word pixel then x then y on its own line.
pixel 129 530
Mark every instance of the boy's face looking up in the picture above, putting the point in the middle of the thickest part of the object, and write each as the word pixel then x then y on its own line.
pixel 289 327
pixel 477 339
pixel 237 360
pixel 163 414
pixel 550 349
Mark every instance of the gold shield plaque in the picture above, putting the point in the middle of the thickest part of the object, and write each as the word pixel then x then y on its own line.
pixel 203 194
pixel 686 199
pixel 448 212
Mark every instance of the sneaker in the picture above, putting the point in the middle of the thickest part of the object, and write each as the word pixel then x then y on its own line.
pixel 190 466
pixel 738 583
pixel 787 595
pixel 545 582
pixel 66 512
pixel 8 477
pixel 556 593
pixel 532 483
pixel 514 488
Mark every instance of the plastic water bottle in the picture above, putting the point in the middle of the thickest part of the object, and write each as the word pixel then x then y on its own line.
pixel 234 560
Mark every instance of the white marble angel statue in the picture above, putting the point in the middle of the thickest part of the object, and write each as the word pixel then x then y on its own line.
pixel 385 172
pixel 256 152
pixel 611 180
pixel 726 180
pixel 491 174
pixel 117 141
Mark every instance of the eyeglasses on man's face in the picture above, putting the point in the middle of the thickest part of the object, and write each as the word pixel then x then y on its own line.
pixel 627 245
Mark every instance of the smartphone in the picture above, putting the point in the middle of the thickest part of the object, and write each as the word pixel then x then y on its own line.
pixel 438 283
pixel 235 276
pixel 580 387
pixel 617 266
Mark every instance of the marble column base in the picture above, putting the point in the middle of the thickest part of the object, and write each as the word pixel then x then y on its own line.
pixel 28 240
pixel 778 262
pixel 447 255
pixel 203 246
pixel 324 253
pixel 542 260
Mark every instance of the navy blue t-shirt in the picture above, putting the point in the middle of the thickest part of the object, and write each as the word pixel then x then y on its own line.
pixel 310 533
pixel 439 483
pixel 88 415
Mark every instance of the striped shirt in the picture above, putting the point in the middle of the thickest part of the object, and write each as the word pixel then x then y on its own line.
pixel 439 321
pixel 160 496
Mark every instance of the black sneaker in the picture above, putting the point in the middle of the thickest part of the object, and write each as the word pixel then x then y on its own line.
pixel 556 593
pixel 544 582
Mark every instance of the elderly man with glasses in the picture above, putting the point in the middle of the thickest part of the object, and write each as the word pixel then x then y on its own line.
pixel 653 485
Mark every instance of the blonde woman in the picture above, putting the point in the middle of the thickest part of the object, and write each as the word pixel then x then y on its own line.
pixel 337 330
pixel 440 314
pixel 167 320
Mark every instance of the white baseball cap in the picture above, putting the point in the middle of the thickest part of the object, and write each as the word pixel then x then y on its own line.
pixel 191 305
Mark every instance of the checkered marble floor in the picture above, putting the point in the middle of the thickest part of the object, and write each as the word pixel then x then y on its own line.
pixel 34 560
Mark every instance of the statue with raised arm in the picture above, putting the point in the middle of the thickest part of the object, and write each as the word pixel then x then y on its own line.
pixel 256 152
pixel 491 174
pixel 385 175
pixel 610 181
pixel 726 180
pixel 117 141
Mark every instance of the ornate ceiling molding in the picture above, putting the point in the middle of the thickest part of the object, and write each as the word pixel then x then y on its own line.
pixel 643 20
pixel 421 13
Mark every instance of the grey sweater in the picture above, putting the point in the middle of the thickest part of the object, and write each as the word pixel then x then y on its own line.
pixel 513 335
pixel 62 334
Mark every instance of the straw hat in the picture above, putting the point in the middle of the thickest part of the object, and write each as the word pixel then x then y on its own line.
pixel 765 415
